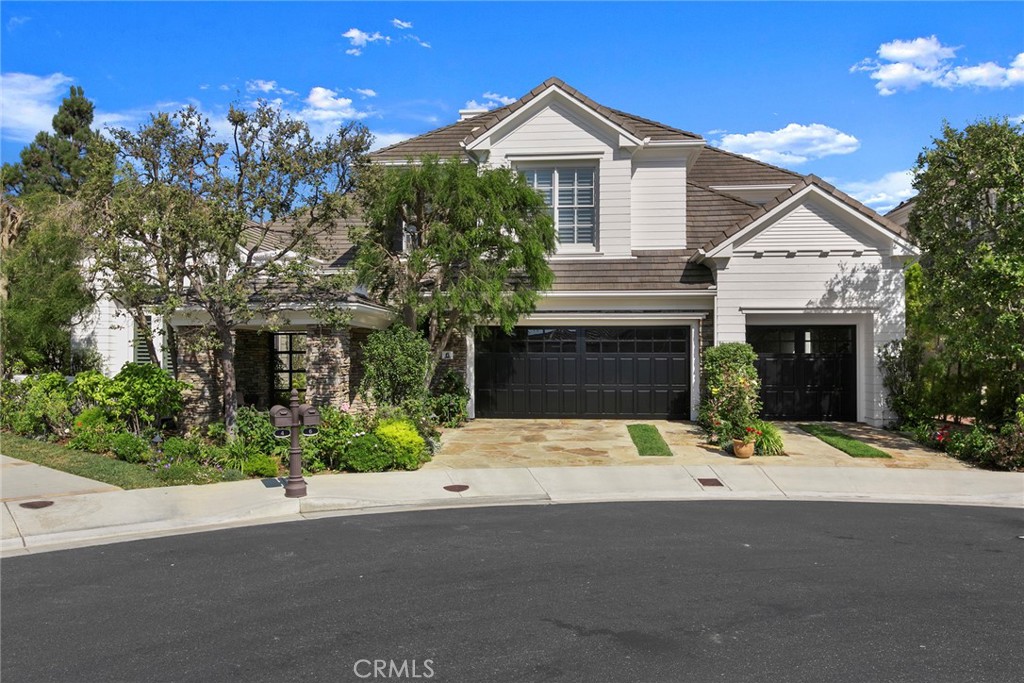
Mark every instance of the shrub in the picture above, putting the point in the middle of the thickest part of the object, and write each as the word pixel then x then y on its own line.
pixel 407 447
pixel 901 362
pixel 246 458
pixel 450 400
pixel 44 406
pixel 974 445
pixel 730 400
pixel 129 447
pixel 142 393
pixel 91 389
pixel 11 400
pixel 177 448
pixel 327 449
pixel 93 430
pixel 1008 453
pixel 395 363
pixel 366 453
pixel 769 442
pixel 253 427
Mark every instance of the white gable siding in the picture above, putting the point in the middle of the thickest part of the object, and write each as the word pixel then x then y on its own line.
pixel 842 289
pixel 808 227
pixel 659 203
pixel 558 135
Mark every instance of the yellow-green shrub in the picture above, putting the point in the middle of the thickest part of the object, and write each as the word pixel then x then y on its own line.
pixel 401 438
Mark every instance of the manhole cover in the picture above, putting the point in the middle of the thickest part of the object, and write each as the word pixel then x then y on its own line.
pixel 36 504
pixel 710 481
pixel 456 488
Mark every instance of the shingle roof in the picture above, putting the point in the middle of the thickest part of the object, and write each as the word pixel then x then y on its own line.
pixel 710 213
pixel 806 182
pixel 648 270
pixel 448 141
pixel 717 167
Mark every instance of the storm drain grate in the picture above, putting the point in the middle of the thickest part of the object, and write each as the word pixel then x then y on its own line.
pixel 710 481
pixel 36 504
pixel 456 488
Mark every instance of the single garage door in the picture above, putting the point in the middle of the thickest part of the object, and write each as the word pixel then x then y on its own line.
pixel 807 372
pixel 583 372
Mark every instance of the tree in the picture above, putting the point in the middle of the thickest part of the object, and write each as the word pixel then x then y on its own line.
pixel 452 246
pixel 42 291
pixel 228 230
pixel 969 221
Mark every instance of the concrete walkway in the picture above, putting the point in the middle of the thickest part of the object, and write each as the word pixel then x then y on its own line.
pixel 87 518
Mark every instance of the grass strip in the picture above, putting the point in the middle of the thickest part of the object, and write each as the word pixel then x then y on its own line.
pixel 844 442
pixel 90 465
pixel 648 440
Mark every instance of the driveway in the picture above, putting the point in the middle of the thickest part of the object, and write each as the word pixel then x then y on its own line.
pixel 559 443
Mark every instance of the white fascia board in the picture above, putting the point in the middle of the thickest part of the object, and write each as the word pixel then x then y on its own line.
pixel 605 319
pixel 483 142
pixel 799 198
pixel 363 315
pixel 728 188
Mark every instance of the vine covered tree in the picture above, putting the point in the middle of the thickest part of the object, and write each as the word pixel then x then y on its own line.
pixel 452 246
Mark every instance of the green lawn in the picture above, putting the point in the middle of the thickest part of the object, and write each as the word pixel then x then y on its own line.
pixel 648 440
pixel 847 444
pixel 99 467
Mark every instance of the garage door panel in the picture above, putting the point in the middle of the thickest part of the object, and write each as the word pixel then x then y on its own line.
pixel 586 372
pixel 807 372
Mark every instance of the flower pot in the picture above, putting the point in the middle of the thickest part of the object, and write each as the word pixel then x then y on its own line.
pixel 742 450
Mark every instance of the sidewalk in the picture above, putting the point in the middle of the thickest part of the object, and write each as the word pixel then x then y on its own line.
pixel 87 518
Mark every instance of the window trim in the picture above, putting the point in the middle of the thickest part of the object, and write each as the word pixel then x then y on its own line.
pixel 525 164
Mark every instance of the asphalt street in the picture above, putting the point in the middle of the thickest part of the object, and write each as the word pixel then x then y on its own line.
pixel 684 591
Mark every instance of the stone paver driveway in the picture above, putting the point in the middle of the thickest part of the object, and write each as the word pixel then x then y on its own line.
pixel 570 442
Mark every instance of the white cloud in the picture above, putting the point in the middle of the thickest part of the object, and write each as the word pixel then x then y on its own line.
pixel 1019 120
pixel 204 86
pixel 490 100
pixel 260 85
pixel 360 39
pixel 794 144
pixel 381 140
pixel 366 92
pixel 398 23
pixel 29 103
pixel 883 193
pixel 907 64
pixel 15 22
pixel 417 40
pixel 224 86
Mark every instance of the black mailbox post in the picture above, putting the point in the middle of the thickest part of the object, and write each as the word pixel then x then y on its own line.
pixel 286 423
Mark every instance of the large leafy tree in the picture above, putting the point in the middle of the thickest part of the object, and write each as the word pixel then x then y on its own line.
pixel 229 230
pixel 42 290
pixel 452 246
pixel 969 221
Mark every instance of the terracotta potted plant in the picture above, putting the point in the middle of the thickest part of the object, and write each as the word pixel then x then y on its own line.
pixel 743 447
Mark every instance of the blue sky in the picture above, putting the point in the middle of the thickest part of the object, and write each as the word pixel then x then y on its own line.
pixel 850 92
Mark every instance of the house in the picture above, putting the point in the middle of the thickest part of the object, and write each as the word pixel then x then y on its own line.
pixel 666 246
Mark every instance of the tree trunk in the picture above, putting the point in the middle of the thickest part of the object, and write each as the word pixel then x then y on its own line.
pixel 171 344
pixel 409 317
pixel 226 356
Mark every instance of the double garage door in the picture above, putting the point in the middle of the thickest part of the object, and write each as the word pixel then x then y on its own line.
pixel 641 372
pixel 807 372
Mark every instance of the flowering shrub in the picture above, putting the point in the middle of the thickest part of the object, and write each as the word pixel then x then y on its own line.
pixel 92 430
pixel 769 441
pixel 750 434
pixel 730 400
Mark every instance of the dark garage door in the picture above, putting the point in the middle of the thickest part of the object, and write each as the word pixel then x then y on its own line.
pixel 807 373
pixel 584 372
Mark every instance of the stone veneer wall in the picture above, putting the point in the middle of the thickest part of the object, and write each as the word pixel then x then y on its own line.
pixel 357 372
pixel 328 366
pixel 460 350
pixel 707 332
pixel 253 360
pixel 197 367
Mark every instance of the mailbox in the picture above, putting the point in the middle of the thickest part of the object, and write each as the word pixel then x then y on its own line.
pixel 280 417
pixel 309 416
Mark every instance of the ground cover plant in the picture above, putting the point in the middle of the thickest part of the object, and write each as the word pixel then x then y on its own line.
pixel 648 440
pixel 844 442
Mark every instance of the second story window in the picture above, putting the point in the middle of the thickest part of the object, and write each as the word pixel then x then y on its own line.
pixel 571 192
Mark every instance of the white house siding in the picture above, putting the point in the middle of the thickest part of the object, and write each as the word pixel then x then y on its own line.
pixel 562 137
pixel 659 200
pixel 763 284
pixel 865 291
pixel 108 333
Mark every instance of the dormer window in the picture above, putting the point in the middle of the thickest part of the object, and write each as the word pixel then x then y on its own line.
pixel 571 193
